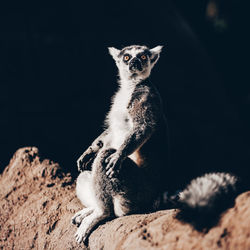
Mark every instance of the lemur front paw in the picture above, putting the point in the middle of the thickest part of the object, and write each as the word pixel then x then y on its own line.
pixel 85 161
pixel 114 162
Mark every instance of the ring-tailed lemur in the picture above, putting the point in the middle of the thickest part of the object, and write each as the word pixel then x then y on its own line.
pixel 128 159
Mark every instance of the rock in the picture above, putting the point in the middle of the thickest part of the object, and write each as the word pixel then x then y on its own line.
pixel 37 201
pixel 161 230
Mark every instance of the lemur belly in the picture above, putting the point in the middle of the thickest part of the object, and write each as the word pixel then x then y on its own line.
pixel 121 126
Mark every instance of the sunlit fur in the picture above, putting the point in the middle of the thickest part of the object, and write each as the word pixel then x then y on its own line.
pixel 134 116
pixel 127 84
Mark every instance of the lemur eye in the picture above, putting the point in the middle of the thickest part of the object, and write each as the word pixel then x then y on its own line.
pixel 143 57
pixel 126 57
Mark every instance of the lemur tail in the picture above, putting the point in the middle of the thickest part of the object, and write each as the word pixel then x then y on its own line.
pixel 205 198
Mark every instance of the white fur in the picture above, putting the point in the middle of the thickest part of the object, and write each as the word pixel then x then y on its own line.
pixel 84 189
pixel 156 52
pixel 119 120
pixel 114 53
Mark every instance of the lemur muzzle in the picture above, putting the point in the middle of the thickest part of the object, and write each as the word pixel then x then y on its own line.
pixel 135 64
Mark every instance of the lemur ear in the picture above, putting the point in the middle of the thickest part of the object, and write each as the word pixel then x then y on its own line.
pixel 114 52
pixel 155 54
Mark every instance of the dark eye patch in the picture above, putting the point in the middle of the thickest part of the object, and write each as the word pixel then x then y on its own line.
pixel 145 52
pixel 126 58
pixel 143 57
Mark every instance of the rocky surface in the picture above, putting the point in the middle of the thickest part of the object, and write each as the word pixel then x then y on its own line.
pixel 37 201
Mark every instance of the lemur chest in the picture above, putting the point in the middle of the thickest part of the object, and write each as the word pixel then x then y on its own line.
pixel 120 121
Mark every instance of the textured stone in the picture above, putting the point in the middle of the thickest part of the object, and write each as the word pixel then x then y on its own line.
pixel 37 201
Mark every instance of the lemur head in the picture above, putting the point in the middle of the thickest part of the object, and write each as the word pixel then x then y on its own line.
pixel 135 62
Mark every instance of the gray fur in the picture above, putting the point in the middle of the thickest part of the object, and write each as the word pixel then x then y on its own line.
pixel 122 179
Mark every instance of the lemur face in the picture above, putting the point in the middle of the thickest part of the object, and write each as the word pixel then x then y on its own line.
pixel 135 62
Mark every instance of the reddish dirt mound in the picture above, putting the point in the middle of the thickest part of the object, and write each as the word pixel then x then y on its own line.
pixel 37 201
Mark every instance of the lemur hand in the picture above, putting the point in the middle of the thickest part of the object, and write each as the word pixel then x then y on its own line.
pixel 114 162
pixel 85 161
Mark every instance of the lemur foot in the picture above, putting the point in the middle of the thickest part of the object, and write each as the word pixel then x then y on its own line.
pixel 89 222
pixel 80 215
pixel 80 237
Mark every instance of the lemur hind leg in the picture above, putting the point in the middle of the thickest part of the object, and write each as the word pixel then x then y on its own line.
pixel 135 193
pixel 100 198
pixel 120 196
pixel 85 194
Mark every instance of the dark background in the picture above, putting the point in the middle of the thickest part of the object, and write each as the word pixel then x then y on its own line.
pixel 57 77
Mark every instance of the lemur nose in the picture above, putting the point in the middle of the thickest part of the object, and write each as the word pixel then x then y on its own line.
pixel 135 64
